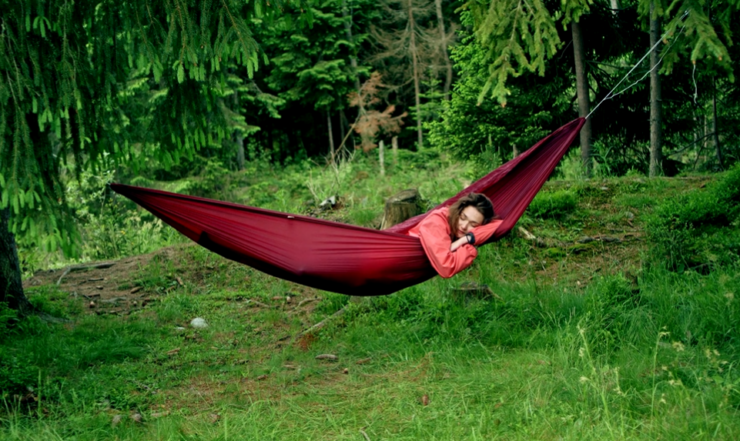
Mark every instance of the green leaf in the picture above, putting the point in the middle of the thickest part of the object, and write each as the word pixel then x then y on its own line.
pixel 28 22
pixel 180 73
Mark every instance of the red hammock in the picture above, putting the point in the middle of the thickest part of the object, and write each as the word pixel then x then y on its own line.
pixel 338 257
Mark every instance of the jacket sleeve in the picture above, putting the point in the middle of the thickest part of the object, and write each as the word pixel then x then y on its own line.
pixel 484 232
pixel 435 238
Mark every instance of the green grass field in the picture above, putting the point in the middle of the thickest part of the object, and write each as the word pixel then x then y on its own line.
pixel 587 336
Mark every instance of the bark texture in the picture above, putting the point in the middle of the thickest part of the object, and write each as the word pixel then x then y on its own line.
pixel 443 43
pixel 415 62
pixel 11 288
pixel 400 207
pixel 348 32
pixel 579 56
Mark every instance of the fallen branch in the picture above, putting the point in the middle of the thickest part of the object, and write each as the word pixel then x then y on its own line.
pixel 71 268
pixel 320 324
pixel 529 236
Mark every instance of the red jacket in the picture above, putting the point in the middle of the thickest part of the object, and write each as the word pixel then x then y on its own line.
pixel 434 233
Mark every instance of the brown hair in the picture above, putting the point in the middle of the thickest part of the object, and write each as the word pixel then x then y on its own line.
pixel 477 200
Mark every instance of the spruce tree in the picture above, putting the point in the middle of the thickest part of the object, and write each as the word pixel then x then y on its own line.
pixel 64 72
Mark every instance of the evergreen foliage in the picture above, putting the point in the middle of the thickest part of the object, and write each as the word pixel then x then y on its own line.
pixel 67 71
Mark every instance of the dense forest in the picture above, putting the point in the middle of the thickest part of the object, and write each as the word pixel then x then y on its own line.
pixel 610 311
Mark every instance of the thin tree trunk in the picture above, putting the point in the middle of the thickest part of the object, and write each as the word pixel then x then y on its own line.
pixel 656 136
pixel 615 6
pixel 443 43
pixel 238 138
pixel 715 128
pixel 348 33
pixel 331 135
pixel 11 288
pixel 394 142
pixel 346 126
pixel 381 157
pixel 583 100
pixel 417 91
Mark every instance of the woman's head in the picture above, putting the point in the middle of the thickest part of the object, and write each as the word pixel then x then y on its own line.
pixel 470 211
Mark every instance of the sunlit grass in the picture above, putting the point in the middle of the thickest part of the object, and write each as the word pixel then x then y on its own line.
pixel 578 343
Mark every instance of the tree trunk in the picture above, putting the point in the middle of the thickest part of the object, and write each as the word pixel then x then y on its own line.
pixel 331 136
pixel 11 288
pixel 443 43
pixel 400 207
pixel 656 136
pixel 417 91
pixel 582 91
pixel 394 142
pixel 715 128
pixel 381 157
pixel 348 33
pixel 238 138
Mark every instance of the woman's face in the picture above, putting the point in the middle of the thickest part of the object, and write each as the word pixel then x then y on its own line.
pixel 469 219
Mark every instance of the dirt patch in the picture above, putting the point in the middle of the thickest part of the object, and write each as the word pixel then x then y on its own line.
pixel 110 289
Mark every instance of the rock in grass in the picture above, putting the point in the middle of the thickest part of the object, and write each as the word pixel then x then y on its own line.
pixel 116 419
pixel 329 357
pixel 198 323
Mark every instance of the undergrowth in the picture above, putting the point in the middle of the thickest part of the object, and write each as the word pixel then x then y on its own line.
pixel 579 338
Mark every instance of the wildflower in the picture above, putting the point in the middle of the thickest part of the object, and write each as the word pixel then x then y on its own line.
pixel 662 399
pixel 729 296
pixel 581 352
pixel 583 379
pixel 678 346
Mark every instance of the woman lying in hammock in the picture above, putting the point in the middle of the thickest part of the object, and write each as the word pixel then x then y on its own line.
pixel 449 235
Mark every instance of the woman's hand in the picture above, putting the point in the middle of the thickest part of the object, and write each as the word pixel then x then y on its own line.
pixel 458 243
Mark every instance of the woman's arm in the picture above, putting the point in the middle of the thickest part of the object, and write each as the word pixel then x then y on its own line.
pixel 435 238
pixel 458 243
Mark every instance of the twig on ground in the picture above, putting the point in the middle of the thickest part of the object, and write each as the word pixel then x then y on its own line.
pixel 71 268
pixel 320 324
pixel 258 303
pixel 529 236
pixel 303 302
pixel 365 435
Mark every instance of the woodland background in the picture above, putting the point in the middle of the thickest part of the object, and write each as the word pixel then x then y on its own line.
pixel 622 306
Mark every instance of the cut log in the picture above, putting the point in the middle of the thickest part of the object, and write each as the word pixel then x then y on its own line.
pixel 400 207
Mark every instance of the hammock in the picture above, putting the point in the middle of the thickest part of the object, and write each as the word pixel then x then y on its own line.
pixel 337 257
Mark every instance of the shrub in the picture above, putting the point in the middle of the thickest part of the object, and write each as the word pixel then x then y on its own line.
pixel 553 205
pixel 17 376
pixel 699 229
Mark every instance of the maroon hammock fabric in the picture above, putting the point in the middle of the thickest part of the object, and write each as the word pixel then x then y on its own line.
pixel 338 257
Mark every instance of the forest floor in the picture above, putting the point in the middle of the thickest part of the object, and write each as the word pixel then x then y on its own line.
pixel 540 359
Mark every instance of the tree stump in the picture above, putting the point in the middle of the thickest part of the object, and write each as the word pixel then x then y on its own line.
pixel 400 207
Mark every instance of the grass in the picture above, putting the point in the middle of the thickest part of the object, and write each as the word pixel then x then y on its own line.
pixel 582 343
